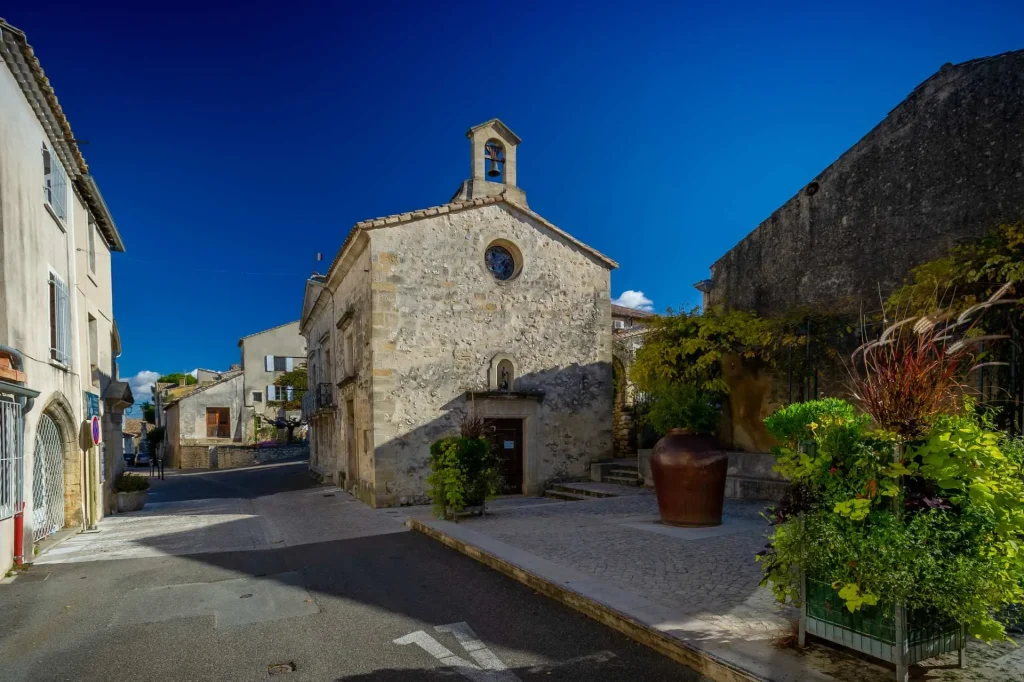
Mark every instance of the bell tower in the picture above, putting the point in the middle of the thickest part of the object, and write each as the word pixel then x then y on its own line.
pixel 492 148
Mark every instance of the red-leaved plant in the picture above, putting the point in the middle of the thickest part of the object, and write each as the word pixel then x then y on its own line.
pixel 916 369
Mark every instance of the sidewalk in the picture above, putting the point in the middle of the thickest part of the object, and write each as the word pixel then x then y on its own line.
pixel 692 594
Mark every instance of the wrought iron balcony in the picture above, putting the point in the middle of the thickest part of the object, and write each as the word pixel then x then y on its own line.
pixel 319 399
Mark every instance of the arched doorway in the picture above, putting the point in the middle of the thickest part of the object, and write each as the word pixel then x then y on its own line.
pixel 47 480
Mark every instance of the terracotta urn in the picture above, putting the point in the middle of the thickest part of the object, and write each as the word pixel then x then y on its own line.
pixel 689 478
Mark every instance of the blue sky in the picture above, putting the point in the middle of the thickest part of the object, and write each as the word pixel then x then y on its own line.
pixel 233 144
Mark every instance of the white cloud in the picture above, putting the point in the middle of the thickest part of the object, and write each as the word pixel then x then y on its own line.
pixel 142 384
pixel 195 373
pixel 635 300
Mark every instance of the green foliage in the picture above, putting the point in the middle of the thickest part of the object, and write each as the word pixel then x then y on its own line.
pixel 130 483
pixel 462 473
pixel 683 406
pixel 178 378
pixel 687 348
pixel 148 412
pixel 155 437
pixel 939 528
pixel 969 274
pixel 298 379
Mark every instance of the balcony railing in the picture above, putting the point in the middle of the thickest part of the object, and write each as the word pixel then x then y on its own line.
pixel 320 398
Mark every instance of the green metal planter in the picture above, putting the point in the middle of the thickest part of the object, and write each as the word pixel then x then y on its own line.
pixel 889 632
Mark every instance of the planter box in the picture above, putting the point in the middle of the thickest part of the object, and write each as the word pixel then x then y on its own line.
pixel 888 632
pixel 129 502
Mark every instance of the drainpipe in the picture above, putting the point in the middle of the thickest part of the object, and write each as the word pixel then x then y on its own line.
pixel 25 397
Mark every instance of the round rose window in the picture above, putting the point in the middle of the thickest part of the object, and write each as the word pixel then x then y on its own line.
pixel 500 262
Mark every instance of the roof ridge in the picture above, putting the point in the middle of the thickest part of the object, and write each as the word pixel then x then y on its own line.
pixel 269 329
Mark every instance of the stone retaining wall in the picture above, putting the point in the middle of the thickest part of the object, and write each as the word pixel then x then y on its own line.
pixel 234 456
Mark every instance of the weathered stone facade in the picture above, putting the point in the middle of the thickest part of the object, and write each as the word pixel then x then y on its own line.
pixel 945 166
pixel 429 325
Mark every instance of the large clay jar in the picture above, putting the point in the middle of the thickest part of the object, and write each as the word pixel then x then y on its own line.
pixel 689 479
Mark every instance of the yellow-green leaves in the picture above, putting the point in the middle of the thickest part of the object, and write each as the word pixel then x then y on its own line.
pixel 854 598
pixel 855 510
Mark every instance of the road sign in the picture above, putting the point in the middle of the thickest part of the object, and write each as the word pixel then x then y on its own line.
pixel 92 405
pixel 95 430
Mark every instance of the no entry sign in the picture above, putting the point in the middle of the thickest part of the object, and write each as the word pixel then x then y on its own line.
pixel 95 430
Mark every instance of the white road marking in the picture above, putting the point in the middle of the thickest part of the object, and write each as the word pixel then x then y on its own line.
pixel 484 657
pixel 490 669
pixel 444 656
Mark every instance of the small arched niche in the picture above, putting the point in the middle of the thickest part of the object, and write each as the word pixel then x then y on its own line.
pixel 502 373
pixel 494 161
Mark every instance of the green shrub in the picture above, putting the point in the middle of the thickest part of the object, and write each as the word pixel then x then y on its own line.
pixel 462 473
pixel 938 529
pixel 683 406
pixel 130 483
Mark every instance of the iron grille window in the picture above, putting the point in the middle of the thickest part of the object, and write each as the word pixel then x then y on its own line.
pixel 55 184
pixel 60 321
pixel 10 458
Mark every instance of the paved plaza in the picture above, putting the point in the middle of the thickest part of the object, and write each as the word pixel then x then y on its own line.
pixel 699 585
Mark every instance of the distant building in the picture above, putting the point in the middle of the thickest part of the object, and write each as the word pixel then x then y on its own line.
pixel 199 416
pixel 266 355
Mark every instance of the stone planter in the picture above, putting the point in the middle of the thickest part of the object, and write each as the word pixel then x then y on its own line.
pixel 129 502
pixel 689 479
pixel 889 632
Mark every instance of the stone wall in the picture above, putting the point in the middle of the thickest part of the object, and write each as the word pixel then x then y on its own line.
pixel 439 319
pixel 206 456
pixel 945 166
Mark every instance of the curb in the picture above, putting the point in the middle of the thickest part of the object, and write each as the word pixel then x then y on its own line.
pixel 678 650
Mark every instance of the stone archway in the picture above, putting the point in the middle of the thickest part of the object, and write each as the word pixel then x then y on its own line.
pixel 622 415
pixel 59 410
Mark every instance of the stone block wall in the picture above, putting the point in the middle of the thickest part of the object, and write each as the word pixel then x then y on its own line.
pixel 945 166
pixel 440 317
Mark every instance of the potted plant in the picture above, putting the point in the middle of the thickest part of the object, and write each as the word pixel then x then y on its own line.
pixel 900 534
pixel 131 492
pixel 463 470
pixel 688 464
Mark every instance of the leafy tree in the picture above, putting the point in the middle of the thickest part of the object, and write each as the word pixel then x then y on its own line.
pixel 155 437
pixel 179 378
pixel 148 412
pixel 298 380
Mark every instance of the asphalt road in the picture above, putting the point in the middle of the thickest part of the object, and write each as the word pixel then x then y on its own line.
pixel 329 610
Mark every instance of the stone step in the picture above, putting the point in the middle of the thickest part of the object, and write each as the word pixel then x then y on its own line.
pixel 622 480
pixel 563 495
pixel 573 490
pixel 624 472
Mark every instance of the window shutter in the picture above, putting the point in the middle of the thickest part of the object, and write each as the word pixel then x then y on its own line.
pixel 269 363
pixel 290 392
pixel 271 392
pixel 288 366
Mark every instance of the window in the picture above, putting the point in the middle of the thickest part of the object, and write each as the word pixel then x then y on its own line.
pixel 503 260
pixel 276 363
pixel 55 184
pixel 257 396
pixel 619 324
pixel 94 350
pixel 218 422
pixel 60 321
pixel 280 393
pixel 10 457
pixel 92 245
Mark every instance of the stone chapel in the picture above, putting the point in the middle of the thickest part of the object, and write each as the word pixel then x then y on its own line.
pixel 479 304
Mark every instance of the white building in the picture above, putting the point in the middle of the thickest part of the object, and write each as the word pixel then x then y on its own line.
pixel 57 329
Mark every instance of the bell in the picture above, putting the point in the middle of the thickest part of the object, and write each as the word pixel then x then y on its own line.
pixel 493 171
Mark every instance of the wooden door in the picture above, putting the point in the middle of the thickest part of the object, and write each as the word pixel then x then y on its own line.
pixel 507 444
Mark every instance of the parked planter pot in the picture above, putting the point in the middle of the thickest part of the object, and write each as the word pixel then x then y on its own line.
pixel 889 632
pixel 689 479
pixel 129 502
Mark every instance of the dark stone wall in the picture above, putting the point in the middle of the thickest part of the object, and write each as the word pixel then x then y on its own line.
pixel 945 166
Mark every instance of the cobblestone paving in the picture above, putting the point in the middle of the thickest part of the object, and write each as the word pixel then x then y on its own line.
pixel 712 577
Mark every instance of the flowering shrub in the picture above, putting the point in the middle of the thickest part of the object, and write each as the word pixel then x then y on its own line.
pixel 939 529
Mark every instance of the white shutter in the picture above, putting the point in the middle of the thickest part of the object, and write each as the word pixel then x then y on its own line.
pixel 288 366
pixel 271 392
pixel 269 363
pixel 291 392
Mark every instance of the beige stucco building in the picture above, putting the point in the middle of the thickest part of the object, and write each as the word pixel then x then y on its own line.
pixel 57 327
pixel 201 416
pixel 266 355
pixel 478 305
